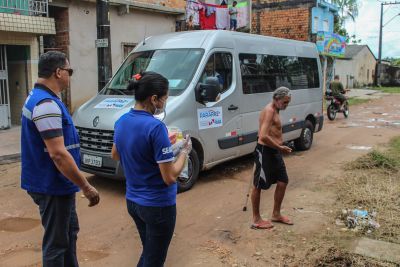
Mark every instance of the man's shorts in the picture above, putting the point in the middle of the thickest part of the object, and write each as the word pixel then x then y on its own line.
pixel 269 167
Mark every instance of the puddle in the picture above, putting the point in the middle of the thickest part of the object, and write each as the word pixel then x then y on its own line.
pixel 359 147
pixel 17 224
pixel 92 255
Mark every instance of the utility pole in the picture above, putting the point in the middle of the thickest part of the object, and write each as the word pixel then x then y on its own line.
pixel 377 68
pixel 103 43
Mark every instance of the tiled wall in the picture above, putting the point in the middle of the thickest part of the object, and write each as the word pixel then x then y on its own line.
pixel 27 24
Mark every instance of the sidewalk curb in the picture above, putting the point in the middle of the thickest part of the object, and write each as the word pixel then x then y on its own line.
pixel 7 159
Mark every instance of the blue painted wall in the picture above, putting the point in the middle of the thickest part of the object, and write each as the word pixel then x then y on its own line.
pixel 323 11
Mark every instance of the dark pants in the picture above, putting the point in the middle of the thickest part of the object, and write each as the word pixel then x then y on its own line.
pixel 155 226
pixel 61 228
pixel 233 24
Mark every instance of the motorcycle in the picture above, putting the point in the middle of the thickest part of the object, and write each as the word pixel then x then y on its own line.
pixel 334 106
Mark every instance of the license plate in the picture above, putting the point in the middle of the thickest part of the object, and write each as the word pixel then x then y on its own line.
pixel 92 160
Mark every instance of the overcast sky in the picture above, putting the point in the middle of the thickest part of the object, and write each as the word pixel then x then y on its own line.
pixel 366 27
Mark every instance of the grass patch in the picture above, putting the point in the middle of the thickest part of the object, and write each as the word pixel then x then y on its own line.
pixel 372 182
pixel 338 258
pixel 357 101
pixel 391 90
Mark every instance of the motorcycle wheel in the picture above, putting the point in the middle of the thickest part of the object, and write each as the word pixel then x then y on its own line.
pixel 346 109
pixel 331 112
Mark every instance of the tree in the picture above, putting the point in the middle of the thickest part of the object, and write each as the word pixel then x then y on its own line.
pixel 348 9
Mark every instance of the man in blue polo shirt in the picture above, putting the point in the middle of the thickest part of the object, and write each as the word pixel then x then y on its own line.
pixel 50 158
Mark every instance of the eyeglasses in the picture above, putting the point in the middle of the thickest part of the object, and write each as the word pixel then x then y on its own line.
pixel 70 71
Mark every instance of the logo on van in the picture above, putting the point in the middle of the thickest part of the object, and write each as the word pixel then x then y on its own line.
pixel 96 121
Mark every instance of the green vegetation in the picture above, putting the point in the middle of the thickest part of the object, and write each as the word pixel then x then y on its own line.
pixel 356 101
pixel 372 182
pixel 391 90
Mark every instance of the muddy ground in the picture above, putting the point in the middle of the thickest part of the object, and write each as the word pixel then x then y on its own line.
pixel 212 230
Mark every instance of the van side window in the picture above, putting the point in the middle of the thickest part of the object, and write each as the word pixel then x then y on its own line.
pixel 219 65
pixel 265 73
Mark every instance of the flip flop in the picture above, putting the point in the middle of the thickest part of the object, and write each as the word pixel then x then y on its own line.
pixel 282 219
pixel 263 225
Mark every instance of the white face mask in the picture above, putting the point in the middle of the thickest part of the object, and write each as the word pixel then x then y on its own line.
pixel 159 111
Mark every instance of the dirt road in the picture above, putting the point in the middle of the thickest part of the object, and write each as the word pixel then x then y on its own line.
pixel 212 230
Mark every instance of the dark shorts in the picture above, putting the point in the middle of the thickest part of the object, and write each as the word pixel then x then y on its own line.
pixel 269 167
pixel 340 97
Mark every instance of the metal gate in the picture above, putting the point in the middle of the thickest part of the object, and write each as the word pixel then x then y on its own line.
pixel 5 116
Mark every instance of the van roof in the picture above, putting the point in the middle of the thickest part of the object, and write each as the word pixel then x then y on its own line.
pixel 216 38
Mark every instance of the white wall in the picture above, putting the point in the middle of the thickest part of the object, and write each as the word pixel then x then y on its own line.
pixel 345 69
pixel 358 68
pixel 365 61
pixel 129 28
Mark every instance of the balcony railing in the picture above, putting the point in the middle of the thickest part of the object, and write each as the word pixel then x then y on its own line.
pixel 25 7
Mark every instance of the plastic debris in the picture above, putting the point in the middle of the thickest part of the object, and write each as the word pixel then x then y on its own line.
pixel 359 220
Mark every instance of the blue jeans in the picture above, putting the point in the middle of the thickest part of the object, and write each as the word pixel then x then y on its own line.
pixel 61 227
pixel 233 24
pixel 155 226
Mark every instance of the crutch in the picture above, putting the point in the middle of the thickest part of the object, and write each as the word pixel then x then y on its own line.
pixel 248 191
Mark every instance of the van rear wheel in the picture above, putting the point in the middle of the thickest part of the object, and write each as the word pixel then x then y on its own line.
pixel 305 140
pixel 185 184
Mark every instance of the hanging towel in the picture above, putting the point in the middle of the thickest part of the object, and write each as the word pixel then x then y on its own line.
pixel 222 19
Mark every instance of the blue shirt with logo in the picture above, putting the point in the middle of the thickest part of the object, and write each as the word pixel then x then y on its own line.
pixel 142 143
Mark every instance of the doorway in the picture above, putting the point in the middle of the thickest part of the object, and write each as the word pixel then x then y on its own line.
pixel 17 63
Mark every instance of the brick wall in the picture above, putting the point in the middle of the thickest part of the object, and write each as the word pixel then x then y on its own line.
pixel 284 19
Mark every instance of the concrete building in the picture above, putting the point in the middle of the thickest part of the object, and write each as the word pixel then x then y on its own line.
pixel 295 19
pixel 357 68
pixel 21 25
pixel 31 27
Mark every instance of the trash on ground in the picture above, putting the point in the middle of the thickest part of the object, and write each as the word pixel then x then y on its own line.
pixel 359 147
pixel 358 220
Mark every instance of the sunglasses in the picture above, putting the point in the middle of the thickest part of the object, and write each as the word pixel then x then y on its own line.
pixel 70 71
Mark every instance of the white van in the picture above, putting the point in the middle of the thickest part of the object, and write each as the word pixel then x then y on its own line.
pixel 219 82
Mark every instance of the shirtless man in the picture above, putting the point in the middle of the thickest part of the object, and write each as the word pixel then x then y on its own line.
pixel 269 165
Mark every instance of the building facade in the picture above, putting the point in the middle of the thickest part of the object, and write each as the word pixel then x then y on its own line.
pixel 21 25
pixel 357 68
pixel 76 33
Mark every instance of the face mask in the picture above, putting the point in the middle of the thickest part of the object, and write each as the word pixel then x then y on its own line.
pixel 159 111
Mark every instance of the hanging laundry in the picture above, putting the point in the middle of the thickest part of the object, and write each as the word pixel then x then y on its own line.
pixel 222 19
pixel 210 10
pixel 192 11
pixel 243 14
pixel 207 23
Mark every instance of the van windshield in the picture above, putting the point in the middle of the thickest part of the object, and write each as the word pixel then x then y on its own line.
pixel 177 65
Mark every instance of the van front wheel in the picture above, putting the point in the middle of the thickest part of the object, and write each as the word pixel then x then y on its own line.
pixel 305 140
pixel 185 184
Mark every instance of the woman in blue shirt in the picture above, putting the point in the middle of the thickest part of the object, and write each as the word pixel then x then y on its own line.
pixel 142 145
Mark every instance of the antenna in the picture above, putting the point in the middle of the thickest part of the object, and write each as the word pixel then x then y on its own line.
pixel 144 37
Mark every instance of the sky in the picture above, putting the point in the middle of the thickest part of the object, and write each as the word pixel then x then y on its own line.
pixel 366 27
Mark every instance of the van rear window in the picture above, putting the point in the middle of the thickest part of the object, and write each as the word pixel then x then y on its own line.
pixel 177 65
pixel 265 73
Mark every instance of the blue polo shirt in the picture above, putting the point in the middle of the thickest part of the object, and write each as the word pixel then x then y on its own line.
pixel 142 143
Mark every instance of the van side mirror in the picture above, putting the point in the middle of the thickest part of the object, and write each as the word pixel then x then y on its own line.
pixel 208 91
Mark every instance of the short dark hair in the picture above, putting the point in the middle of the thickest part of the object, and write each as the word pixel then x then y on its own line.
pixel 49 62
pixel 234 2
pixel 336 77
pixel 150 83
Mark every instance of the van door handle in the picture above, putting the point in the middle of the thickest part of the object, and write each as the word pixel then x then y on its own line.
pixel 233 107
